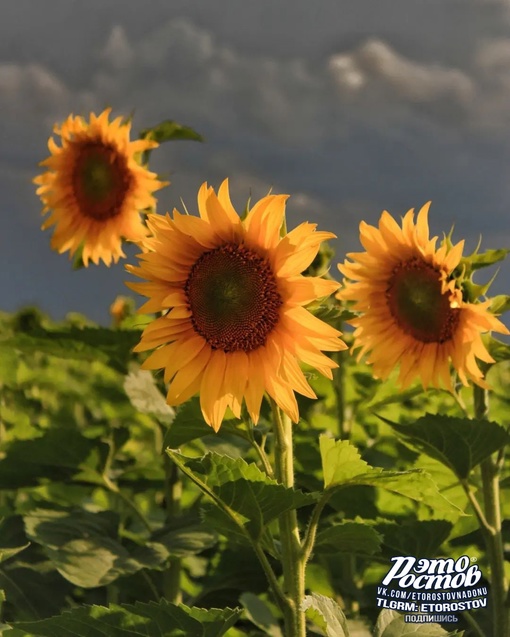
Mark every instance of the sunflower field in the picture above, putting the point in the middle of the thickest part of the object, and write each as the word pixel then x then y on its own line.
pixel 276 441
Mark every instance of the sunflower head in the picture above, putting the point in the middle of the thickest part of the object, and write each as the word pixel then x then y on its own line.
pixel 94 188
pixel 412 312
pixel 235 325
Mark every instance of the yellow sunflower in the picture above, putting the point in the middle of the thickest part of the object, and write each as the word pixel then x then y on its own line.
pixel 95 188
pixel 412 310
pixel 236 326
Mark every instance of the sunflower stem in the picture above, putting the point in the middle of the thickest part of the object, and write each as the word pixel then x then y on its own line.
pixel 173 492
pixel 293 561
pixel 490 469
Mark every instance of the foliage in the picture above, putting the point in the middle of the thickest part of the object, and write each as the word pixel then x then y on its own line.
pixel 92 530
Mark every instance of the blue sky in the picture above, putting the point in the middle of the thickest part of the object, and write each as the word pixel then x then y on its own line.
pixel 350 106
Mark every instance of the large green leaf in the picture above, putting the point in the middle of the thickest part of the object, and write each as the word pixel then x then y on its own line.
pixel 182 536
pixel 331 616
pixel 414 537
pixel 187 425
pixel 82 545
pixel 354 537
pixel 241 490
pixel 259 613
pixel 459 443
pixel 57 455
pixel 341 461
pixel 161 619
pixel 343 467
pixel 80 343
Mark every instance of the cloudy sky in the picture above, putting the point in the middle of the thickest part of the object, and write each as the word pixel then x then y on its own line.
pixel 350 106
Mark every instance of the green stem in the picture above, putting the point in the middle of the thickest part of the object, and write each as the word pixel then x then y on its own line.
pixel 111 486
pixel 260 451
pixel 475 626
pixel 292 559
pixel 344 424
pixel 280 598
pixel 311 532
pixel 493 536
pixel 173 492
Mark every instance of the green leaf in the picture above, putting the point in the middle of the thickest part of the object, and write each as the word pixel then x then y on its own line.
pixel 259 613
pixel 484 259
pixel 144 395
pixel 58 455
pixel 498 350
pixel 241 490
pixel 187 425
pixel 7 553
pixel 333 618
pixel 80 343
pixel 341 461
pixel 459 443
pixel 343 467
pixel 500 304
pixel 182 536
pixel 161 619
pixel 354 537
pixel 414 537
pixel 170 131
pixel 392 624
pixel 82 545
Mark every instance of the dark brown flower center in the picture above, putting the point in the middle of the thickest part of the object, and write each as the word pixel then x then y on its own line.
pixel 101 179
pixel 417 303
pixel 234 299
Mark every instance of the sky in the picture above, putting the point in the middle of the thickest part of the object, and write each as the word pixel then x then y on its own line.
pixel 350 106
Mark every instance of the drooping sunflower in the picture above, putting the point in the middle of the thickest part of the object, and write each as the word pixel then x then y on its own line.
pixel 412 311
pixel 236 326
pixel 95 188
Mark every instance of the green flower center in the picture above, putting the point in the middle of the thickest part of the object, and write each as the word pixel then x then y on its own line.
pixel 234 299
pixel 101 180
pixel 417 303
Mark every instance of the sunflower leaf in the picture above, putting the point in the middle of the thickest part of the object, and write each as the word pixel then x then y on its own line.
pixel 458 443
pixel 498 350
pixel 350 536
pixel 500 304
pixel 170 131
pixel 341 461
pixel 327 614
pixel 343 467
pixel 80 343
pixel 484 259
pixel 414 537
pixel 161 619
pixel 83 546
pixel 243 493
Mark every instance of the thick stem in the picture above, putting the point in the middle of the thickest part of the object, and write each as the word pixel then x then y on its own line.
pixel 493 535
pixel 173 492
pixel 293 563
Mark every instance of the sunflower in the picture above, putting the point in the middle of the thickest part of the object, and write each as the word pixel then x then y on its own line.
pixel 412 311
pixel 235 326
pixel 95 188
